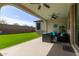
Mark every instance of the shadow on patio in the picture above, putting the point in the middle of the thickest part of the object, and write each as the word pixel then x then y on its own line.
pixel 61 49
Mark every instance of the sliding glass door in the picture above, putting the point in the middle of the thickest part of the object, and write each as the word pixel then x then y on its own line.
pixel 77 25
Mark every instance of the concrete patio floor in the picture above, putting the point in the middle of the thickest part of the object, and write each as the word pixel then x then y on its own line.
pixel 31 48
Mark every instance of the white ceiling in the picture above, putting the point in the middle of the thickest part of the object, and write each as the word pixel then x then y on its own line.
pixel 61 9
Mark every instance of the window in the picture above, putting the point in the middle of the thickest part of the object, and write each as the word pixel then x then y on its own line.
pixel 38 25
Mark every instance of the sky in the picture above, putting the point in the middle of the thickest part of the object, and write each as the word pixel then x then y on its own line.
pixel 13 15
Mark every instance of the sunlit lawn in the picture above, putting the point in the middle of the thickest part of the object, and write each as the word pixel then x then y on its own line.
pixel 13 39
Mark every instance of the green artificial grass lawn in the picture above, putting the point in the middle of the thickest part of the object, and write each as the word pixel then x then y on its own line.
pixel 7 40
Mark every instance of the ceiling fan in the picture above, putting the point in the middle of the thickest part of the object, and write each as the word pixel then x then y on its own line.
pixel 54 16
pixel 41 4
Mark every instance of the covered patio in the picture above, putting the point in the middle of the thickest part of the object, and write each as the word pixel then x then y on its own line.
pixel 63 16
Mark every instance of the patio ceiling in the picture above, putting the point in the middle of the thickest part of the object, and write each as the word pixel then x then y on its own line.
pixel 60 9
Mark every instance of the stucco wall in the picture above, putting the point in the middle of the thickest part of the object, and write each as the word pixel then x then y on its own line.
pixel 43 26
pixel 49 25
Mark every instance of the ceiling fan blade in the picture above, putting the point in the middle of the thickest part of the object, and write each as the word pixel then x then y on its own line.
pixel 55 17
pixel 39 7
pixel 46 5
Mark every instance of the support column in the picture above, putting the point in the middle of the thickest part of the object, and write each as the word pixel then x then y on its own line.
pixel 46 26
pixel 72 23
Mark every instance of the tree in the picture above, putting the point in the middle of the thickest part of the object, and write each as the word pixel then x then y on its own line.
pixel 16 24
pixel 3 22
